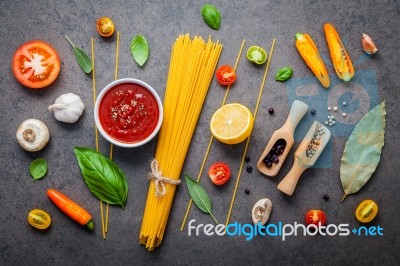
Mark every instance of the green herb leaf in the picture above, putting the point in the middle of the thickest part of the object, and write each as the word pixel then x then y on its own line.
pixel 81 58
pixel 38 168
pixel 104 178
pixel 199 196
pixel 284 74
pixel 211 16
pixel 140 49
pixel 363 149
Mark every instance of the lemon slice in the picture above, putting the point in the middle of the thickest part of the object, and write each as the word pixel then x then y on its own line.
pixel 232 123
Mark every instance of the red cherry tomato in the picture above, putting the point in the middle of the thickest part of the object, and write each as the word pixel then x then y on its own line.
pixel 315 217
pixel 36 64
pixel 219 173
pixel 226 75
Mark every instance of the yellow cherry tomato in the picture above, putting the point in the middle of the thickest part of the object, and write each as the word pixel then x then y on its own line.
pixel 366 211
pixel 39 219
pixel 105 26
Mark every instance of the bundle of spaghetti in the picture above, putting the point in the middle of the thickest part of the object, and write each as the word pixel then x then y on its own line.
pixel 192 65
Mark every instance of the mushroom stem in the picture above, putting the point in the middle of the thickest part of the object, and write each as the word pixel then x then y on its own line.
pixel 29 135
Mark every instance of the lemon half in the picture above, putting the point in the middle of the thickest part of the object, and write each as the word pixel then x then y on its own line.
pixel 232 123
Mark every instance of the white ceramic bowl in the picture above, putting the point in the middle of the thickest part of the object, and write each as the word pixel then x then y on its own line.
pixel 113 140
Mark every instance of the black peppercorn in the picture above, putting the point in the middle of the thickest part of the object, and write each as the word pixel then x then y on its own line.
pixel 271 110
pixel 249 169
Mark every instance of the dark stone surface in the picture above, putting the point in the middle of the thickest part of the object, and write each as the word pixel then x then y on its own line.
pixel 66 243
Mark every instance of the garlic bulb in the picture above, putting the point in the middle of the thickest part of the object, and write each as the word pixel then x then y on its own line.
pixel 368 44
pixel 68 108
pixel 33 135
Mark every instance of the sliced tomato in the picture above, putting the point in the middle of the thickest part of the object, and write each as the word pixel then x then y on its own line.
pixel 219 173
pixel 105 26
pixel 366 211
pixel 226 75
pixel 316 217
pixel 36 64
pixel 39 219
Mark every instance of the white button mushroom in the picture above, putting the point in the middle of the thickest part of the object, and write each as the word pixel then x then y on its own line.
pixel 261 211
pixel 68 108
pixel 33 135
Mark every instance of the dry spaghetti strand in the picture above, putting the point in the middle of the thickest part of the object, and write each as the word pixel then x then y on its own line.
pixel 111 145
pixel 211 141
pixel 248 139
pixel 96 132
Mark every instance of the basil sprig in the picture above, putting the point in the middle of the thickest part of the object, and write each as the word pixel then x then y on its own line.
pixel 211 16
pixel 104 178
pixel 284 74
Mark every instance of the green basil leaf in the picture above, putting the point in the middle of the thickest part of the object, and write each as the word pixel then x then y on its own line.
pixel 140 49
pixel 363 149
pixel 284 74
pixel 38 168
pixel 104 178
pixel 199 196
pixel 81 58
pixel 211 16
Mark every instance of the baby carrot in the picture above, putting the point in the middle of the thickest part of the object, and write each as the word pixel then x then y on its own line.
pixel 70 208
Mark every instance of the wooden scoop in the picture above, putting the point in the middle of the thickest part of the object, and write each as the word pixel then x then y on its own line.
pixel 306 155
pixel 281 137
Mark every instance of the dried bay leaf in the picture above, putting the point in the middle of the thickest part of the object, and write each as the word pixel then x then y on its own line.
pixel 363 149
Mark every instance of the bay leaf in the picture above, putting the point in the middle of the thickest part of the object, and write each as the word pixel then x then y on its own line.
pixel 81 58
pixel 199 196
pixel 363 150
pixel 103 177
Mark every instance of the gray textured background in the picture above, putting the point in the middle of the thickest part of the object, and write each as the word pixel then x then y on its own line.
pixel 66 243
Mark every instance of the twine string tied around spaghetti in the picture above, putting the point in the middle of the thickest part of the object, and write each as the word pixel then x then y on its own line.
pixel 159 179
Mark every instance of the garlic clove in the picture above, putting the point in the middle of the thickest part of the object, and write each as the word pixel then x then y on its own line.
pixel 33 135
pixel 368 44
pixel 261 211
pixel 68 108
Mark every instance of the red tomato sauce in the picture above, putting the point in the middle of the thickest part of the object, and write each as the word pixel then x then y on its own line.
pixel 128 112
